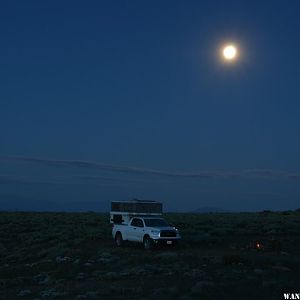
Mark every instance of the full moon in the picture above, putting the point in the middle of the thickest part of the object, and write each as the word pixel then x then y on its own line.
pixel 229 52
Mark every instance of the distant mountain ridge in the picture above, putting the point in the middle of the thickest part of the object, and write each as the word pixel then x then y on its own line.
pixel 208 209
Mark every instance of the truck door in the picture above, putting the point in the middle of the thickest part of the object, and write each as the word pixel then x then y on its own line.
pixel 140 230
pixel 136 231
pixel 131 231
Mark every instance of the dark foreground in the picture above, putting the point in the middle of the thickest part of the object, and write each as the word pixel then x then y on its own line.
pixel 72 256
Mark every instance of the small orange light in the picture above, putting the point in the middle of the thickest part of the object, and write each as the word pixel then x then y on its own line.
pixel 258 245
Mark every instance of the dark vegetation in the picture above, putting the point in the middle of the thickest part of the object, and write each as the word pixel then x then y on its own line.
pixel 222 256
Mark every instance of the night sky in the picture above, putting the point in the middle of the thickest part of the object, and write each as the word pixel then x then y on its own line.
pixel 113 100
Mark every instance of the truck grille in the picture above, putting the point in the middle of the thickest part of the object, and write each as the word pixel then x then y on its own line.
pixel 168 233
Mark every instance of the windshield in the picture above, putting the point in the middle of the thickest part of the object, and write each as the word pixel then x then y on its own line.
pixel 156 223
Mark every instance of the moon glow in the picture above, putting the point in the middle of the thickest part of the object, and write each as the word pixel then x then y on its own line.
pixel 229 52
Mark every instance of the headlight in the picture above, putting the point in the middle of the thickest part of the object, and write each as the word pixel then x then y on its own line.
pixel 155 232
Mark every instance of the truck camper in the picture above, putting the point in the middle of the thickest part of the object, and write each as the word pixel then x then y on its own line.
pixel 141 221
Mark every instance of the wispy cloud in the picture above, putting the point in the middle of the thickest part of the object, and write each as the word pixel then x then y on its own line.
pixel 91 165
pixel 91 178
pixel 11 179
pixel 119 169
pixel 266 173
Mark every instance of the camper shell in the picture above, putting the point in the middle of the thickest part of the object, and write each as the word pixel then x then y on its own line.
pixel 123 211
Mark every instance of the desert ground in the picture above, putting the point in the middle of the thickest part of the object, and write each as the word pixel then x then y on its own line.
pixel 221 256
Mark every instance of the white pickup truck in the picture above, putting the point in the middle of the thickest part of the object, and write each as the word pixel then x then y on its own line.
pixel 148 230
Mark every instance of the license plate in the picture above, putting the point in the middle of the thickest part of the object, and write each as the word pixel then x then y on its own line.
pixel 169 242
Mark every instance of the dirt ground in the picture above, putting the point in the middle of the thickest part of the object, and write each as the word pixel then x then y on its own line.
pixel 221 256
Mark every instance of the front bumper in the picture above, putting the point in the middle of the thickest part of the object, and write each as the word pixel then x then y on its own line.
pixel 166 241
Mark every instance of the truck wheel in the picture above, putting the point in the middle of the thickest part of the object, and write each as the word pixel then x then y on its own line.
pixel 119 239
pixel 148 243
